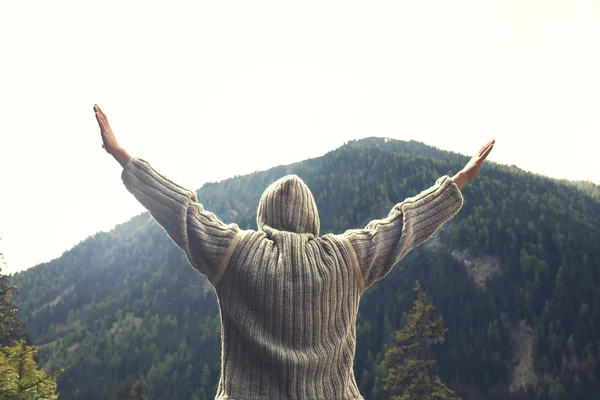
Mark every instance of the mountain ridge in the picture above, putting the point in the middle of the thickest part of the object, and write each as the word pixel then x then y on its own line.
pixel 136 309
pixel 587 187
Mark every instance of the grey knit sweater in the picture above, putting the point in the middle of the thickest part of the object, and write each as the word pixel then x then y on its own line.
pixel 288 297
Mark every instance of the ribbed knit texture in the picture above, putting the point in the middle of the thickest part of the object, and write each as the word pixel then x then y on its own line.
pixel 288 298
pixel 288 205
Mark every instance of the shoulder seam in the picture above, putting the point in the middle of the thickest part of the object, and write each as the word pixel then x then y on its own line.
pixel 225 262
pixel 354 260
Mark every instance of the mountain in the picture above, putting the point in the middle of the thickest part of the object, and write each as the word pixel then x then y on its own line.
pixel 515 275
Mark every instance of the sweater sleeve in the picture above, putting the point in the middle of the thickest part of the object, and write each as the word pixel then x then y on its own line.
pixel 384 242
pixel 200 234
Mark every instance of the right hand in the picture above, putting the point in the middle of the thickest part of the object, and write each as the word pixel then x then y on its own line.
pixel 472 168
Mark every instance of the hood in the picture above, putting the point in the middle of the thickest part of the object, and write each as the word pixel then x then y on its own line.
pixel 288 205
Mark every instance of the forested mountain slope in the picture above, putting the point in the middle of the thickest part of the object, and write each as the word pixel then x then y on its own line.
pixel 515 275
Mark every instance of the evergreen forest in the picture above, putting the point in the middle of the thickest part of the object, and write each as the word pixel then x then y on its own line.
pixel 515 277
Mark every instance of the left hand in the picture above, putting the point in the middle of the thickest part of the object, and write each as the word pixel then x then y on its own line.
pixel 109 141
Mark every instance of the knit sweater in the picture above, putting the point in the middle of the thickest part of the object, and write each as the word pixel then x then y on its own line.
pixel 288 298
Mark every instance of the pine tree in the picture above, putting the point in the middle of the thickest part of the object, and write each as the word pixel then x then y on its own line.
pixel 128 391
pixel 9 325
pixel 20 378
pixel 124 391
pixel 411 366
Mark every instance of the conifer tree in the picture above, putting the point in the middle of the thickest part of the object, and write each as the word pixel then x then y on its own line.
pixel 129 391
pixel 9 325
pixel 411 365
pixel 20 377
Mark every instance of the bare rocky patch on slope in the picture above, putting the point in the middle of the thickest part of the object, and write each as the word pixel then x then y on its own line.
pixel 480 268
pixel 524 376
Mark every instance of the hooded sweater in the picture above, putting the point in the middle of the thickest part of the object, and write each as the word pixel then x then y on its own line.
pixel 288 298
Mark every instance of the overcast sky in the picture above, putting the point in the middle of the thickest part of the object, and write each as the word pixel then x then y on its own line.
pixel 206 90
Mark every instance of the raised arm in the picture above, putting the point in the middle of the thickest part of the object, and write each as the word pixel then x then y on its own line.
pixel 206 241
pixel 382 243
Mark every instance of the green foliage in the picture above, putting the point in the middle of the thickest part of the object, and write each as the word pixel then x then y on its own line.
pixel 20 378
pixel 9 325
pixel 8 321
pixel 411 366
pixel 126 304
pixel 129 391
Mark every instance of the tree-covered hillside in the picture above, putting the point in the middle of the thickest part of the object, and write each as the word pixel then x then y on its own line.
pixel 515 276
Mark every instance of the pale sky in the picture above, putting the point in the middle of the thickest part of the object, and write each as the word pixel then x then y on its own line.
pixel 207 90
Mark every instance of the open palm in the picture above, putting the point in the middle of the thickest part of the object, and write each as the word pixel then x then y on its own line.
pixel 472 168
pixel 109 141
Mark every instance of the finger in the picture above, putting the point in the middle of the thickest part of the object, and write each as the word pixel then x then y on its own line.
pixel 98 118
pixel 102 119
pixel 104 127
pixel 98 110
pixel 485 147
pixel 488 151
pixel 481 150
pixel 105 119
pixel 102 113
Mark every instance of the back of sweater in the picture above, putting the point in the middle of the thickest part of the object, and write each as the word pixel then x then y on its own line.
pixel 288 298
pixel 288 313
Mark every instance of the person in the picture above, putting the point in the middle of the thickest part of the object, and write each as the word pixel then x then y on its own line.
pixel 288 297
